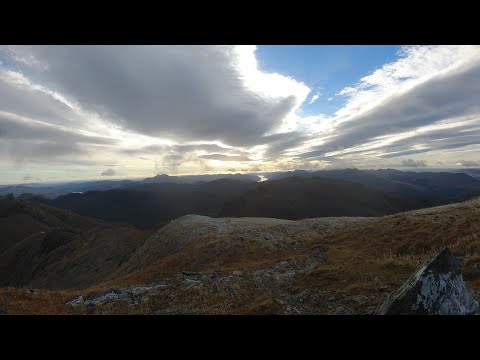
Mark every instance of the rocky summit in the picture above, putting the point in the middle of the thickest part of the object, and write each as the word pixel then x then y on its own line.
pixel 437 288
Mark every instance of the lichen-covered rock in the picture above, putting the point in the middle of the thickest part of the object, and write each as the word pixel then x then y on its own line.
pixel 78 301
pixel 437 288
pixel 100 299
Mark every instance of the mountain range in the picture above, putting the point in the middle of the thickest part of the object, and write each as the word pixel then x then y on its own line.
pixel 293 195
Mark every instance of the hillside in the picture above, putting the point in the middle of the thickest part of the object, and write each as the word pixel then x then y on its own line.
pixel 314 266
pixel 436 187
pixel 151 205
pixel 46 247
pixel 201 265
pixel 298 198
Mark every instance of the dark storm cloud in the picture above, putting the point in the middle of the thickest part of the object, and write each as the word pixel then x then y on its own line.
pixel 180 92
pixel 108 172
pixel 11 127
pixel 22 151
pixel 279 143
pixel 413 164
pixel 24 140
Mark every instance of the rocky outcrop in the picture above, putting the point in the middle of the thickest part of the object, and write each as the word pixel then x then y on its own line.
pixel 437 288
pixel 132 295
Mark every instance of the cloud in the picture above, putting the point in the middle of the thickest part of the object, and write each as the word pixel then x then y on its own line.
pixel 413 163
pixel 256 168
pixel 347 91
pixel 430 93
pixel 180 108
pixel 222 157
pixel 30 178
pixel 468 163
pixel 108 172
pixel 314 98
pixel 182 92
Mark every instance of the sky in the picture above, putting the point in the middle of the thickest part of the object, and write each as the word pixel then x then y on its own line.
pixel 105 112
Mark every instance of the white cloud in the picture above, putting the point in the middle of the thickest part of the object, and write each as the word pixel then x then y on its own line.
pixel 428 97
pixel 314 98
pixel 468 163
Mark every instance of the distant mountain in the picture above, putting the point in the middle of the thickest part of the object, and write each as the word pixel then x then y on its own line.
pixel 56 189
pixel 346 192
pixel 17 190
pixel 298 198
pixel 286 174
pixel 46 247
pixel 151 205
pixel 451 185
pixel 367 178
pixel 191 179
pixel 445 186
pixel 163 179
pixel 472 172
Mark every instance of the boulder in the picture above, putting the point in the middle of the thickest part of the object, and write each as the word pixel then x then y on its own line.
pixel 78 301
pixel 437 288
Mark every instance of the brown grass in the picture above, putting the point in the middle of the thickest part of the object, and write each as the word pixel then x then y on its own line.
pixel 361 258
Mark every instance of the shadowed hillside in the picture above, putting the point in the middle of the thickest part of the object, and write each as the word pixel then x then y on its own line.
pixel 46 247
pixel 298 198
pixel 151 205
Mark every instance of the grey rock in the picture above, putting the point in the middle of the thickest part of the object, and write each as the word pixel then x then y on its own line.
pixel 32 291
pixel 223 280
pixel 360 298
pixel 109 295
pixel 3 312
pixel 237 272
pixel 140 290
pixel 190 273
pixel 232 289
pixel 383 288
pixel 193 283
pixel 78 301
pixel 160 286
pixel 437 288
pixel 340 310
pixel 304 294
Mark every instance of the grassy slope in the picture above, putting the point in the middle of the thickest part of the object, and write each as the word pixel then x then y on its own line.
pixel 47 247
pixel 359 259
